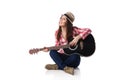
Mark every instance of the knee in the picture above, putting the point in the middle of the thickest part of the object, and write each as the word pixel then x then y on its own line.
pixel 52 52
pixel 75 57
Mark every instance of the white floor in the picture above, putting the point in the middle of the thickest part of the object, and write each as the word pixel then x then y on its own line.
pixel 58 75
pixel 31 67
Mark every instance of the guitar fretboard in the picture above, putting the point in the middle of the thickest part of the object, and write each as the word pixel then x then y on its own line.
pixel 55 47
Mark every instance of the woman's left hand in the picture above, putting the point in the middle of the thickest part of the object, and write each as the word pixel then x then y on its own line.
pixel 75 40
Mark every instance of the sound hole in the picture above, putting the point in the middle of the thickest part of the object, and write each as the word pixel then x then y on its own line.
pixel 73 47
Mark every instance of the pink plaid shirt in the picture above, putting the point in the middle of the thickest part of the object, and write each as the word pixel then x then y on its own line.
pixel 83 32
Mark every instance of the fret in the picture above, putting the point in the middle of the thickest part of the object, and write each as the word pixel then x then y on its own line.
pixel 55 47
pixel 58 47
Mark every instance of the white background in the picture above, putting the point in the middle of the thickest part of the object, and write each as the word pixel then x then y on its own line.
pixel 26 24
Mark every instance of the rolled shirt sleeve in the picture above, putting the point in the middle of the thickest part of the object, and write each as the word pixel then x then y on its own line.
pixel 83 32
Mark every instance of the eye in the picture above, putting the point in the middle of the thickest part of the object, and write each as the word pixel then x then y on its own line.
pixel 64 19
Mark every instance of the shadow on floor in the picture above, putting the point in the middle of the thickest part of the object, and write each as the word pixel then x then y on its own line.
pixel 60 74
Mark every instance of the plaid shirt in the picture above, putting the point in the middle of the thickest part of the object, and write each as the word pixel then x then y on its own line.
pixel 83 32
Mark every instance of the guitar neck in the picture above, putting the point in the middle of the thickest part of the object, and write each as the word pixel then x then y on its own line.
pixel 55 47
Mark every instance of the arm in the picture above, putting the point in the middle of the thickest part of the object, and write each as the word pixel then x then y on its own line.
pixel 82 33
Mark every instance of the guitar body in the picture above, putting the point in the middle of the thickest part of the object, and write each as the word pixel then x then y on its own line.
pixel 88 47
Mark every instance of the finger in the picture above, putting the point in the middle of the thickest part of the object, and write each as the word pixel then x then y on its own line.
pixel 72 44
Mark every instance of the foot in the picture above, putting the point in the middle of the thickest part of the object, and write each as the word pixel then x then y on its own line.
pixel 69 70
pixel 51 67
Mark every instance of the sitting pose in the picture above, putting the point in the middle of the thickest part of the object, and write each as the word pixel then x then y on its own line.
pixel 65 32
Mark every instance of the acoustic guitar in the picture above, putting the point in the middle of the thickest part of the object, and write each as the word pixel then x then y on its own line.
pixel 88 47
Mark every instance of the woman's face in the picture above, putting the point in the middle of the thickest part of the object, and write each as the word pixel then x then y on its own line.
pixel 63 21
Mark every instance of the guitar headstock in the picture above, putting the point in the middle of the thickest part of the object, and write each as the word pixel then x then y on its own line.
pixel 34 51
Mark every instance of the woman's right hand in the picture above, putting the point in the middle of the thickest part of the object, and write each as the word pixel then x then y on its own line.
pixel 45 49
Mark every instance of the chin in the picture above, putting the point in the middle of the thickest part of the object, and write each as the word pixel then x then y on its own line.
pixel 61 25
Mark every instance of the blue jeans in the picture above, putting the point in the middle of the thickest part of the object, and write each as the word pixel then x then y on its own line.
pixel 63 60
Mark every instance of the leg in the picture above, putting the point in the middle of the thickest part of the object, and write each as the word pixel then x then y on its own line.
pixel 57 58
pixel 65 62
pixel 62 60
pixel 73 60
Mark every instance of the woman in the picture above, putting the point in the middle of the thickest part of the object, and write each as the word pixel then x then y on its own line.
pixel 66 31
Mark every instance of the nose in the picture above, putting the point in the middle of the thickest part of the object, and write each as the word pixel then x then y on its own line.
pixel 60 20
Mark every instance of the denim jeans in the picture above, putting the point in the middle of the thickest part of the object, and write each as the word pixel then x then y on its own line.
pixel 63 60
